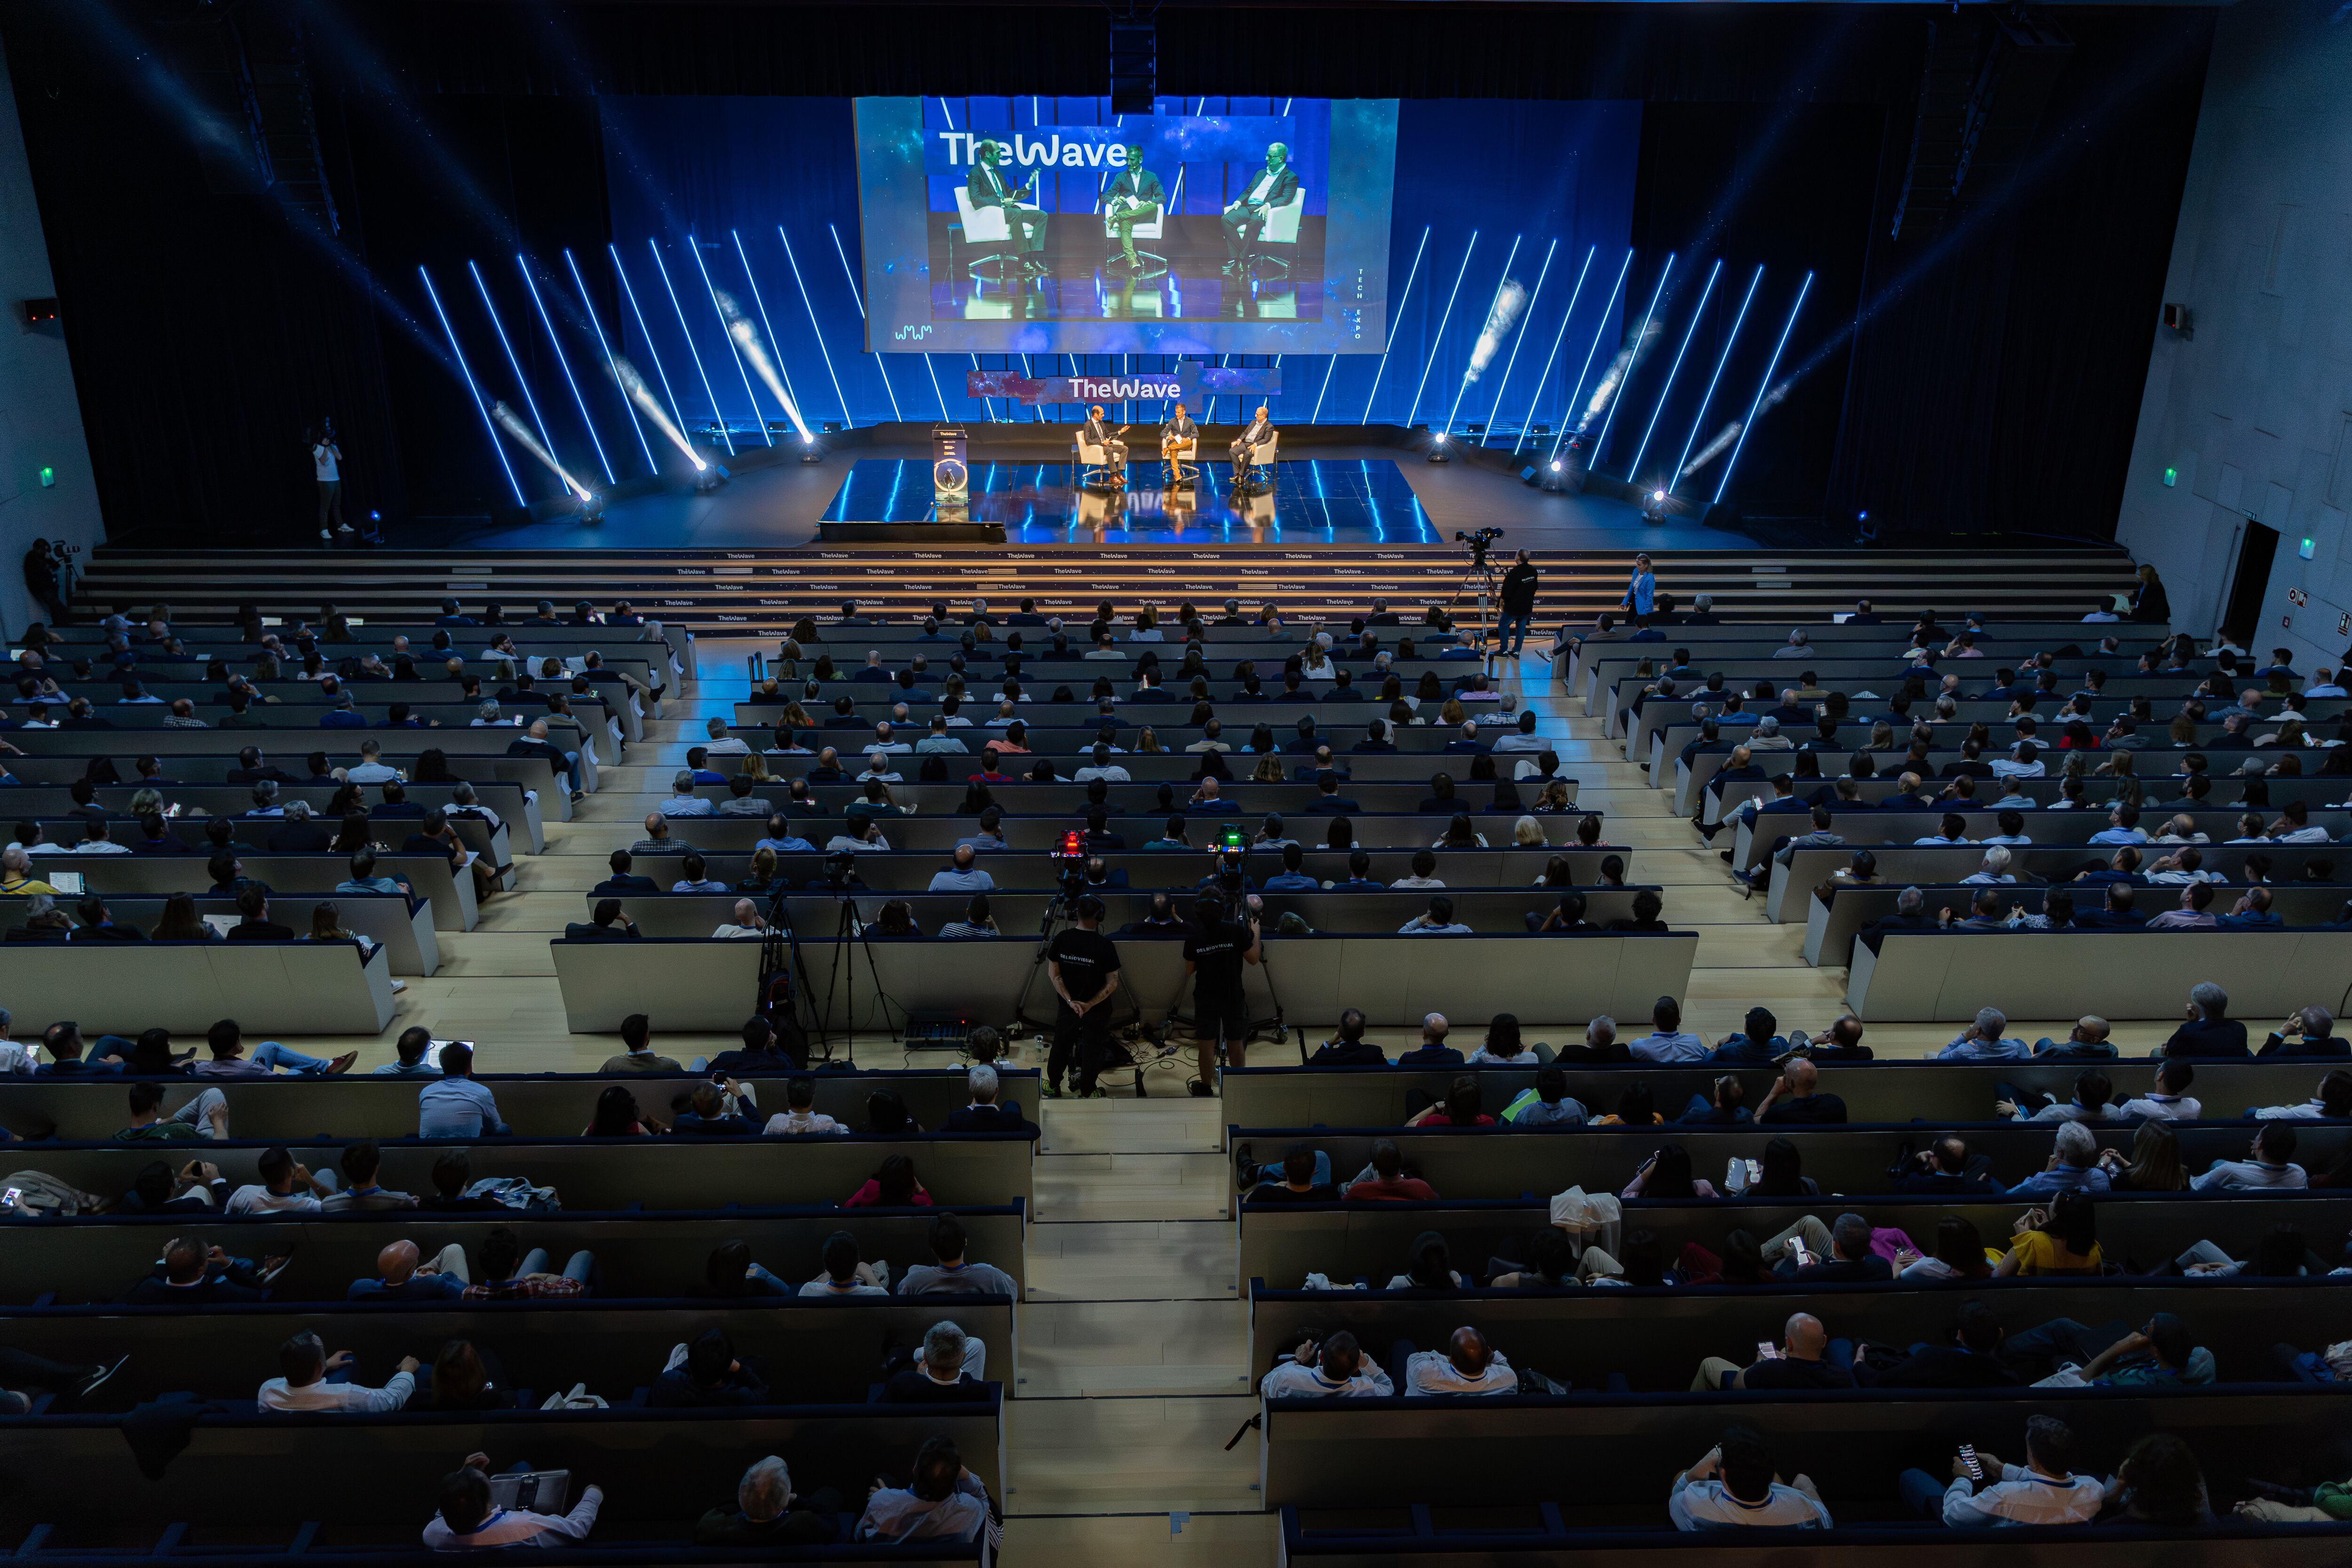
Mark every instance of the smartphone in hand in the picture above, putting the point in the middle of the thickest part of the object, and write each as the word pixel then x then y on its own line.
pixel 1970 1462
pixel 1766 1350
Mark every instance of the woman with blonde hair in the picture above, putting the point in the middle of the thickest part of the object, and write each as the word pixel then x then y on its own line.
pixel 1527 834
pixel 1554 799
pixel 1269 769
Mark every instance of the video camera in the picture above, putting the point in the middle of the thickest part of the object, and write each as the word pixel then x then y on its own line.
pixel 1228 850
pixel 1480 542
pixel 840 870
pixel 1069 857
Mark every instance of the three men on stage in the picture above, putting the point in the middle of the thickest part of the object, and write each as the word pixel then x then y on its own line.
pixel 987 188
pixel 1245 219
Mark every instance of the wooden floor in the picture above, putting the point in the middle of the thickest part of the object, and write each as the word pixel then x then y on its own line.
pixel 1133 1370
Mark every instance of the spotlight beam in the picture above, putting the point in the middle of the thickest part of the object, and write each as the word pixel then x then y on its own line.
pixel 1640 333
pixel 855 299
pixel 1394 317
pixel 791 401
pixel 471 387
pixel 1721 360
pixel 1500 284
pixel 1624 270
pixel 1750 424
pixel 733 352
pixel 810 306
pixel 1528 315
pixel 512 364
pixel 634 387
pixel 521 434
pixel 676 414
pixel 1698 314
pixel 598 327
pixel 725 436
pixel 1527 422
pixel 1430 359
pixel 548 321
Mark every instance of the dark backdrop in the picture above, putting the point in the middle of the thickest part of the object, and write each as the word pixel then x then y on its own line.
pixel 1996 388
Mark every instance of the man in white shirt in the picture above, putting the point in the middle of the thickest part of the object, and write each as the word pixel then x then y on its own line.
pixel 372 768
pixel 16 1057
pixel 1467 1364
pixel 954 1275
pixel 2168 1101
pixel 844 1274
pixel 2043 1491
pixel 2324 685
pixel 683 801
pixel 2123 827
pixel 2026 764
pixel 964 878
pixel 722 744
pixel 1101 767
pixel 747 922
pixel 800 1095
pixel 1336 1368
pixel 1436 920
pixel 1734 1486
pixel 2273 1165
pixel 1523 738
pixel 285 1187
pixel 1666 1042
pixel 1993 869
pixel 938 742
pixel 468 1522
pixel 886 741
pixel 305 1385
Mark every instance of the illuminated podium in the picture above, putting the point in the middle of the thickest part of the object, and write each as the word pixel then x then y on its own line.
pixel 950 521
pixel 950 474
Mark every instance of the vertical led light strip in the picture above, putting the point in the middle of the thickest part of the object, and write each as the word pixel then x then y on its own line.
pixel 1762 387
pixel 1429 358
pixel 512 364
pixel 611 363
pixel 1674 370
pixel 1724 358
pixel 725 436
pixel 1500 284
pixel 1527 421
pixel 856 298
pixel 774 345
pixel 1567 420
pixel 630 291
pixel 1394 317
pixel 545 321
pixel 479 406
pixel 733 352
pixel 1632 358
pixel 806 304
pixel 1526 317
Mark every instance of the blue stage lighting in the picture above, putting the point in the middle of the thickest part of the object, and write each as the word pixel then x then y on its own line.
pixel 594 439
pixel 1492 305
pixel 1527 422
pixel 512 364
pixel 1641 334
pixel 1394 317
pixel 1762 387
pixel 1327 387
pixel 1572 422
pixel 717 418
pixel 776 345
pixel 880 364
pixel 758 418
pixel 479 406
pixel 1534 298
pixel 645 332
pixel 611 363
pixel 1438 337
pixel 815 325
pixel 1698 314
pixel 1721 360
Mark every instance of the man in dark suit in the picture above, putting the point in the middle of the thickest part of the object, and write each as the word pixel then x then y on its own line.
pixel 98 925
pixel 299 833
pixel 257 925
pixel 1862 616
pixel 609 925
pixel 986 1113
pixel 1095 432
pixel 987 188
pixel 1134 198
pixel 623 880
pixel 1330 801
pixel 1246 218
pixel 1259 431
pixel 2210 1031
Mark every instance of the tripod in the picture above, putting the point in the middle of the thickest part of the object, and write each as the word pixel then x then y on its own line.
pixel 842 978
pixel 1482 573
pixel 779 961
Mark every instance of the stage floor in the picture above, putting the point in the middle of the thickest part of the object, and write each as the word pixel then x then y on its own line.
pixel 1362 501
pixel 777 507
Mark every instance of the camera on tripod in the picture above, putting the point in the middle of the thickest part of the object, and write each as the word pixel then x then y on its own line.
pixel 1479 543
pixel 1069 857
pixel 1229 851
pixel 840 870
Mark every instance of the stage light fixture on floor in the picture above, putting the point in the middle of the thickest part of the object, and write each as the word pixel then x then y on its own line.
pixel 1437 449
pixel 591 507
pixel 709 478
pixel 1653 507
pixel 811 449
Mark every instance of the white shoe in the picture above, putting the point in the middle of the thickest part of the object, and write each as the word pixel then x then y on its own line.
pixel 324 534
pixel 399 985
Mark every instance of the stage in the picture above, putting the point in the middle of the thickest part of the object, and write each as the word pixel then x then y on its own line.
pixel 1343 486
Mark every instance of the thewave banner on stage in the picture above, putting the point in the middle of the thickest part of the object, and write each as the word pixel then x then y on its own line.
pixel 1190 383
pixel 988 226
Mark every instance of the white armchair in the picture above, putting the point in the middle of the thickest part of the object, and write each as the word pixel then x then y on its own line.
pixel 1261 460
pixel 1093 459
pixel 1281 230
pixel 987 232
pixel 1156 230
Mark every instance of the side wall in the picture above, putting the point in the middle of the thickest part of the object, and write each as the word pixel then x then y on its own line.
pixel 2254 412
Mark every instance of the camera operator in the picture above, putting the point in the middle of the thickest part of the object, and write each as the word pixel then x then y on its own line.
pixel 1519 607
pixel 1215 949
pixel 43 579
pixel 1084 964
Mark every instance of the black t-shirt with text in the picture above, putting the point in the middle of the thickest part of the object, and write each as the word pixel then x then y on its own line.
pixel 1087 958
pixel 1216 954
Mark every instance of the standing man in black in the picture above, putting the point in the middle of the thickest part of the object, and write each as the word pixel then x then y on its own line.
pixel 1215 949
pixel 1519 606
pixel 1084 964
pixel 1245 219
pixel 41 580
pixel 987 189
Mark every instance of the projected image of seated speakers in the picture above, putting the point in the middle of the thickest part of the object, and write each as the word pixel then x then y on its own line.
pixel 1077 230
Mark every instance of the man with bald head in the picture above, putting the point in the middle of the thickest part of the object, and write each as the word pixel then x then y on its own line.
pixel 1795 1098
pixel 1800 1362
pixel 747 922
pixel 533 743
pixel 1467 1364
pixel 403 1275
pixel 1245 219
pixel 656 840
pixel 1432 1052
